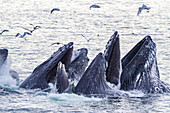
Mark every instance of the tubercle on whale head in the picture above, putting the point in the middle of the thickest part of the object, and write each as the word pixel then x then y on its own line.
pixel 63 48
pixel 62 51
pixel 109 44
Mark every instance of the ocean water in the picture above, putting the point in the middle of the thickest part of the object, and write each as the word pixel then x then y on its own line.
pixel 68 25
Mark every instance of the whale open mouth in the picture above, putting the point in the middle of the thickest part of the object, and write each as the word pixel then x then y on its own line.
pixel 140 67
pixel 46 72
pixel 139 70
pixel 64 55
pixel 136 71
pixel 50 71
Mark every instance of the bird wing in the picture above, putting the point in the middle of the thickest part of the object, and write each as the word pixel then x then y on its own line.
pixel 56 43
pixel 55 9
pixel 5 30
pixel 17 34
pixel 27 33
pixel 32 25
pixel 36 27
pixel 94 6
pixel 52 11
pixel 139 11
pixel 144 6
pixel 84 37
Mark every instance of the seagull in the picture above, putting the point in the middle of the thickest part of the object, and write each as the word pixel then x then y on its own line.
pixel 142 8
pixel 86 38
pixel 22 36
pixel 94 6
pixel 4 31
pixel 56 43
pixel 34 28
pixel 55 9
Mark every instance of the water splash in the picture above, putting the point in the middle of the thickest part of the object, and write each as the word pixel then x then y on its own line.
pixel 71 98
pixel 5 77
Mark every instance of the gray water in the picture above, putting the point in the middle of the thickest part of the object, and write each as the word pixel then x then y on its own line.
pixel 67 25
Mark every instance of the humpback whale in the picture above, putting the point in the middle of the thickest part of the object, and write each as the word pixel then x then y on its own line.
pixel 58 69
pixel 137 70
pixel 93 81
pixel 140 70
pixel 78 64
pixel 45 73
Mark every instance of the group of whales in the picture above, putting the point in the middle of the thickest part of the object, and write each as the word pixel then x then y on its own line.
pixel 67 70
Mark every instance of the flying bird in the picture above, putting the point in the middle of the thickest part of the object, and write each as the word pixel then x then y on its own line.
pixel 22 36
pixel 58 43
pixel 86 38
pixel 4 31
pixel 55 9
pixel 34 28
pixel 142 8
pixel 94 6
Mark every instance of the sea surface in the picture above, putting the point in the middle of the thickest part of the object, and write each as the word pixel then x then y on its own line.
pixel 70 24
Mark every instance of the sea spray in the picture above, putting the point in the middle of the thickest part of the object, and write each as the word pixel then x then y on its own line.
pixel 5 77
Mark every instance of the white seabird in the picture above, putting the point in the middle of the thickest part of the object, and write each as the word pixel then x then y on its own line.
pixel 4 31
pixel 142 8
pixel 34 28
pixel 86 38
pixel 58 43
pixel 55 9
pixel 94 6
pixel 22 36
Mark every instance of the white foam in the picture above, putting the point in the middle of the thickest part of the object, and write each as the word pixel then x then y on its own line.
pixel 72 97
pixel 135 93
